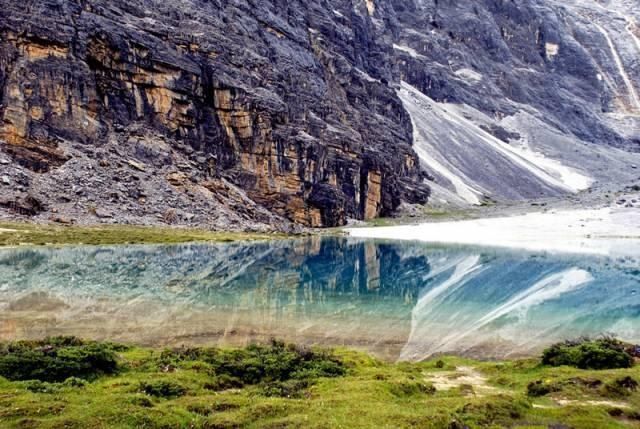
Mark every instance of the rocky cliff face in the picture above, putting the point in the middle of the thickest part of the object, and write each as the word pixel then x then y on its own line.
pixel 263 114
pixel 222 106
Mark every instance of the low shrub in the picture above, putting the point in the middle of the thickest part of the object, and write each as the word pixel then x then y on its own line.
pixel 163 389
pixel 590 383
pixel 620 387
pixel 542 388
pixel 466 389
pixel 274 362
pixel 200 409
pixel 224 382
pixel 411 388
pixel 633 414
pixel 57 359
pixel 605 353
pixel 177 356
pixel 75 382
pixel 141 401
pixel 624 413
pixel 286 389
pixel 498 412
pixel 37 386
pixel 282 370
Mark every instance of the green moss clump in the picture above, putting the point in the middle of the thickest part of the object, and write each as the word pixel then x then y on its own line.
pixel 141 401
pixel 258 364
pixel 55 360
pixel 75 382
pixel 411 388
pixel 498 412
pixel 37 386
pixel 286 389
pixel 605 353
pixel 274 362
pixel 223 382
pixel 163 389
pixel 279 369
pixel 541 388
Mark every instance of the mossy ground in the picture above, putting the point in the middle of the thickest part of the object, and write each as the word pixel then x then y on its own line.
pixel 427 214
pixel 341 389
pixel 15 234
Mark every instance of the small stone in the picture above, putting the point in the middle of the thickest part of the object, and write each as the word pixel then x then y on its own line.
pixel 137 165
pixel 5 180
pixel 4 161
pixel 176 178
pixel 63 220
pixel 103 214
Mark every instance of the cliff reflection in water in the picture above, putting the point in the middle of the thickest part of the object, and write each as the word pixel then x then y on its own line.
pixel 397 300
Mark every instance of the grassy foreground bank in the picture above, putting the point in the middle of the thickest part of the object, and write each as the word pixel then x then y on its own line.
pixel 16 234
pixel 68 383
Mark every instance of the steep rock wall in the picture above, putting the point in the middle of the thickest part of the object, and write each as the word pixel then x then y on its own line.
pixel 275 98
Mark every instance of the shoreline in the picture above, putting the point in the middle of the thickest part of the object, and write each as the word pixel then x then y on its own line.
pixel 599 231
pixel 18 234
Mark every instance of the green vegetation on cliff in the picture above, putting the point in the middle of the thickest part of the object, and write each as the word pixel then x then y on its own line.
pixel 280 386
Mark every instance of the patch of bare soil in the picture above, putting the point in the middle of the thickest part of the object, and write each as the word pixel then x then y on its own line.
pixel 463 376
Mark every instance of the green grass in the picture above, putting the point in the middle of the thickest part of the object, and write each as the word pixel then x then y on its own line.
pixel 448 214
pixel 16 234
pixel 426 215
pixel 251 388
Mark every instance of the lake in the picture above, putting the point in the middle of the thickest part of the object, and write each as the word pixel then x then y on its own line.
pixel 398 300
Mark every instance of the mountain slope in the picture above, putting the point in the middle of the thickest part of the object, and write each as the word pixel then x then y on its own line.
pixel 241 114
pixel 520 99
pixel 223 107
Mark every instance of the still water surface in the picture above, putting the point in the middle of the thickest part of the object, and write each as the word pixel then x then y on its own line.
pixel 397 300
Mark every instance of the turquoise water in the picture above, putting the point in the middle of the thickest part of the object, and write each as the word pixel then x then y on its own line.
pixel 398 300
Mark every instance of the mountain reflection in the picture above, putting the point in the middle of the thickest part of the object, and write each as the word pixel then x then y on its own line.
pixel 398 300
